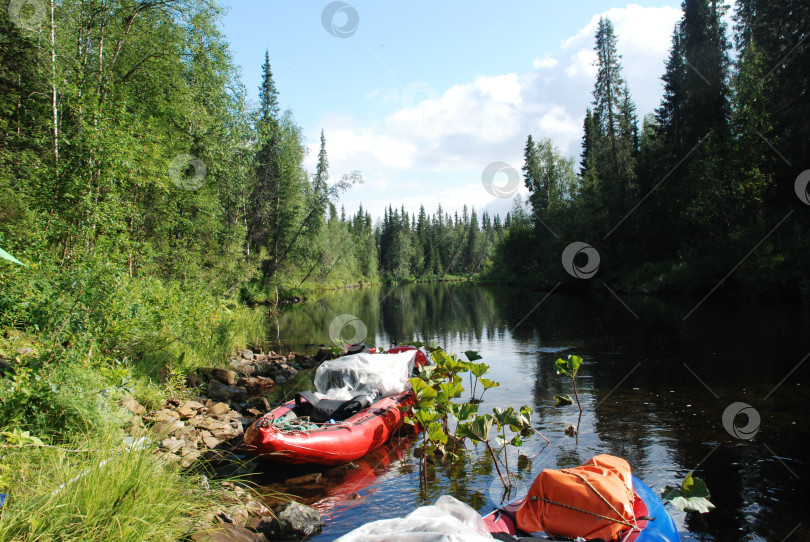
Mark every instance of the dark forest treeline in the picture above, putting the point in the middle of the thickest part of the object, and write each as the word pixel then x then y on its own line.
pixel 678 202
pixel 433 246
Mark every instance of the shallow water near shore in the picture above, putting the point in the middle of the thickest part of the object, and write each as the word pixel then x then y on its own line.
pixel 658 381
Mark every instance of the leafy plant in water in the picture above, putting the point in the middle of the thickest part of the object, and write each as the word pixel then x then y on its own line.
pixel 478 430
pixel 569 368
pixel 691 496
pixel 438 387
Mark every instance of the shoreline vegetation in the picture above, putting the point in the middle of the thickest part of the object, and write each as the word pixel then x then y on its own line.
pixel 149 214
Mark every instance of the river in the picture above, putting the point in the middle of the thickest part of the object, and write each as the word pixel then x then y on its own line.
pixel 658 386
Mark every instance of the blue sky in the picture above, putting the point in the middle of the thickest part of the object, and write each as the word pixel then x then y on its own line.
pixel 420 97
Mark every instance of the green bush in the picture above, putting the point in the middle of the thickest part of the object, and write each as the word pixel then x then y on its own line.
pixel 57 399
pixel 101 334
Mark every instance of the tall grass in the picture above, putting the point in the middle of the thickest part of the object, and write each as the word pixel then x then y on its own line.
pixel 100 490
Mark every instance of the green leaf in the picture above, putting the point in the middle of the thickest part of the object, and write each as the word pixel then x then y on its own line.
pixel 425 416
pixel 21 438
pixel 508 416
pixel 563 400
pixel 568 367
pixel 425 395
pixel 436 433
pixel 526 415
pixel 516 441
pixel 439 357
pixel 462 412
pixel 417 384
pixel 455 365
pixel 450 391
pixel 691 496
pixel 427 398
pixel 694 487
pixel 514 419
pixel 479 369
pixel 426 372
pixel 472 355
pixel 487 383
pixel 422 387
pixel 701 505
pixel 478 429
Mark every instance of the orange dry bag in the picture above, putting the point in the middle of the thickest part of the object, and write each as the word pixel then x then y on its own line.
pixel 591 501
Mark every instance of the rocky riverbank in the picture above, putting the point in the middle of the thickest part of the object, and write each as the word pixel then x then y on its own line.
pixel 204 430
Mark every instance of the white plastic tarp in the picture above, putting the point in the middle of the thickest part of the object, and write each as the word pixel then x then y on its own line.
pixel 449 520
pixel 376 375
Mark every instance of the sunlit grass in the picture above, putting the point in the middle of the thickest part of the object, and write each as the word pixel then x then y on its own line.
pixel 96 488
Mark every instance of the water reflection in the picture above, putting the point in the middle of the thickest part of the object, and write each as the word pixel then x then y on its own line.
pixel 654 389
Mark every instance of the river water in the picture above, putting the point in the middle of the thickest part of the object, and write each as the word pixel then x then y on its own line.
pixel 657 388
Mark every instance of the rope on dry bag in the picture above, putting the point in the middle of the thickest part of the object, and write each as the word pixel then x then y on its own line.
pixel 621 521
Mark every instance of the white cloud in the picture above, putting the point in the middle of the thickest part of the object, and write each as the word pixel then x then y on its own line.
pixel 582 63
pixel 373 148
pixel 453 135
pixel 545 62
pixel 644 38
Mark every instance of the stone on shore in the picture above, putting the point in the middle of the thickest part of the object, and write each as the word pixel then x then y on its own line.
pixel 197 429
pixel 294 521
pixel 256 386
pixel 223 392
pixel 218 409
pixel 133 406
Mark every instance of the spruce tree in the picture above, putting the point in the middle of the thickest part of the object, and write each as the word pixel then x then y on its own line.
pixel 268 95
pixel 280 181
pixel 610 138
pixel 772 87
pixel 320 190
pixel 695 200
pixel 533 178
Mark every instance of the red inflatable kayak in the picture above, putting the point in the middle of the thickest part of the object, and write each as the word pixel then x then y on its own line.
pixel 360 402
pixel 327 443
